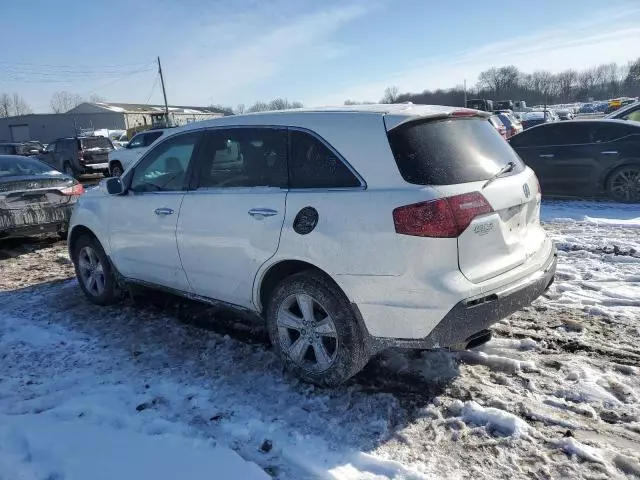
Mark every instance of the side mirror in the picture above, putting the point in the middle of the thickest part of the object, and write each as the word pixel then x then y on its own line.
pixel 114 186
pixel 127 145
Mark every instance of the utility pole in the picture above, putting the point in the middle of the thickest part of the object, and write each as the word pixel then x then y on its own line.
pixel 164 94
pixel 465 93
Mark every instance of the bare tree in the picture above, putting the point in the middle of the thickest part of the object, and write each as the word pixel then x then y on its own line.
pixel 64 101
pixel 391 95
pixel 566 82
pixel 275 104
pixel 632 80
pixel 6 105
pixel 20 106
pixel 95 98
pixel 240 109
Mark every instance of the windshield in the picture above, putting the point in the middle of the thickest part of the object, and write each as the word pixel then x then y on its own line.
pixel 96 142
pixel 448 152
pixel 16 166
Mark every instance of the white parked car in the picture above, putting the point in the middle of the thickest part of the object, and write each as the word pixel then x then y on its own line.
pixel 348 230
pixel 122 158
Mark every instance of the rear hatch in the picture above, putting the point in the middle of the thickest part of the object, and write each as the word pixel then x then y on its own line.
pixel 95 149
pixel 495 219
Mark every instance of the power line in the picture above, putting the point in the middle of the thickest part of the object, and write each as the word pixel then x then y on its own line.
pixel 155 83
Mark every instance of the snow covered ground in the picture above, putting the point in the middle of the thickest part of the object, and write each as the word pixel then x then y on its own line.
pixel 162 388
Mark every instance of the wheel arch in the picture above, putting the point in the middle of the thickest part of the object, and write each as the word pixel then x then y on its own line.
pixel 604 182
pixel 276 272
pixel 76 232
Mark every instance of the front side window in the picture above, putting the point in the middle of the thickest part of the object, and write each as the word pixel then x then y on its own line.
pixel 244 157
pixel 165 167
pixel 313 165
pixel 137 141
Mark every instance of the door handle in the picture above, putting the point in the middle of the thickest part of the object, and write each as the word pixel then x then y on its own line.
pixel 546 155
pixel 609 152
pixel 163 211
pixel 260 213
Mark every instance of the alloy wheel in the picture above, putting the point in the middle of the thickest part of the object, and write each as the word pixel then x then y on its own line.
pixel 91 271
pixel 116 171
pixel 307 333
pixel 625 185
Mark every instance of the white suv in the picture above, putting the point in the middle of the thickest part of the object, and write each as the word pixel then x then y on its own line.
pixel 123 158
pixel 348 230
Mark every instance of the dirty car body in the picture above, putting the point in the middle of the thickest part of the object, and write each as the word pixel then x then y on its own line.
pixel 34 198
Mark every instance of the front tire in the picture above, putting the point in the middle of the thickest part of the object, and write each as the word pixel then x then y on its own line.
pixel 623 185
pixel 95 274
pixel 314 330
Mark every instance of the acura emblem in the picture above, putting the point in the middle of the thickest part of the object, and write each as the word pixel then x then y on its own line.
pixel 527 192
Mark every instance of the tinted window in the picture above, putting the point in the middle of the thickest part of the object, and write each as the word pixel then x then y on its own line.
pixel 607 132
pixel 552 134
pixel 244 157
pixel 313 165
pixel 151 137
pixel 95 142
pixel 7 149
pixel 450 151
pixel 164 168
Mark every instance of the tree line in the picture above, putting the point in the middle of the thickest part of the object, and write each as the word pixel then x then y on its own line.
pixel 540 87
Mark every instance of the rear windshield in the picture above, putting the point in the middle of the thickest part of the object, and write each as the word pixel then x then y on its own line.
pixel 96 142
pixel 16 166
pixel 447 152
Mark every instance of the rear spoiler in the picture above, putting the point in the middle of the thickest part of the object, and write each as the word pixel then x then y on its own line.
pixel 394 121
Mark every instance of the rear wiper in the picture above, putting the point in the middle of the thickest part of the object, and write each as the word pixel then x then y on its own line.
pixel 506 169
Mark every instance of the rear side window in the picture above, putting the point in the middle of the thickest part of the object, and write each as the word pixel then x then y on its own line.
pixel 313 165
pixel 447 152
pixel 96 142
pixel 533 137
pixel 151 137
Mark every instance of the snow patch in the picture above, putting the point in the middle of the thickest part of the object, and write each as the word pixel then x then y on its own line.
pixel 494 419
pixel 571 446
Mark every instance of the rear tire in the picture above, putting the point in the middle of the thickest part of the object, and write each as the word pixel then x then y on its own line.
pixel 116 170
pixel 95 274
pixel 623 185
pixel 314 330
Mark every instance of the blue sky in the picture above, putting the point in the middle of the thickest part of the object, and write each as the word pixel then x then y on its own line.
pixel 318 52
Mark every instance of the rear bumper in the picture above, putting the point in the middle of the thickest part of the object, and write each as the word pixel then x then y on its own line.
pixel 474 314
pixel 34 221
pixel 96 167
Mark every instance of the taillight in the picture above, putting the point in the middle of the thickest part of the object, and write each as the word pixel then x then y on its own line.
pixel 442 218
pixel 76 189
pixel 467 112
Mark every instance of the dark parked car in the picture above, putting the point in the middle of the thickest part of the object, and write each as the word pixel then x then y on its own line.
pixel 629 112
pixel 584 157
pixel 34 198
pixel 78 155
pixel 531 119
pixel 30 148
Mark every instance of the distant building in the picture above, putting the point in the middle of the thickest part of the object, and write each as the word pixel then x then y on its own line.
pixel 94 116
